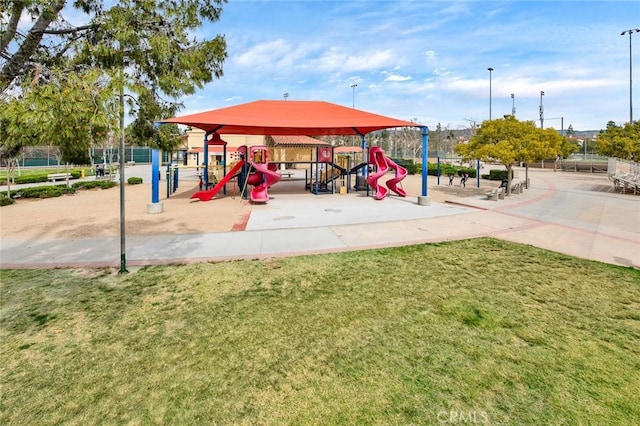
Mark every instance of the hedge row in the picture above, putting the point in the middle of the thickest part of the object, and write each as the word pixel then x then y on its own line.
pixel 497 174
pixel 51 191
pixel 39 176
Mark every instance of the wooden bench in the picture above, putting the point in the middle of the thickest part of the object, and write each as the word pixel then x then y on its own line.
pixel 286 174
pixel 58 176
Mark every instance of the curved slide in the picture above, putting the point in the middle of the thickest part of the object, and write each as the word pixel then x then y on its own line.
pixel 392 183
pixel 210 193
pixel 268 177
pixel 376 156
pixel 383 164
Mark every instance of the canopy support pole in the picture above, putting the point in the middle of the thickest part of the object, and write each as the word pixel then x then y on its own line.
pixel 423 200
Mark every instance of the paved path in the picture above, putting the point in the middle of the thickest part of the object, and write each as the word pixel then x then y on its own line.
pixel 575 214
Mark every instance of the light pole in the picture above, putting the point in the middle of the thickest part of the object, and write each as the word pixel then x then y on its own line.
pixel 286 95
pixel 636 30
pixel 490 71
pixel 541 111
pixel 123 252
pixel 513 105
pixel 353 95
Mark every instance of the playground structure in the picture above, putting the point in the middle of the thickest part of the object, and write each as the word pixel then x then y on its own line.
pixel 260 174
pixel 382 165
pixel 253 169
pixel 294 118
pixel 330 169
pixel 325 172
pixel 208 194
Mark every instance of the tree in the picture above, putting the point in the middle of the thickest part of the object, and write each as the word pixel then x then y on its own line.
pixel 166 138
pixel 9 152
pixel 70 111
pixel 543 144
pixel 508 140
pixel 145 46
pixel 567 147
pixel 620 141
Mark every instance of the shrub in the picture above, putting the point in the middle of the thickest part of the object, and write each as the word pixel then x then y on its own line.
pixel 30 179
pixel 5 201
pixel 42 191
pixel 499 174
pixel 134 180
pixel 412 168
pixel 90 184
pixel 37 176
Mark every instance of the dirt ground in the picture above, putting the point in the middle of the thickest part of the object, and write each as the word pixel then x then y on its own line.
pixel 96 213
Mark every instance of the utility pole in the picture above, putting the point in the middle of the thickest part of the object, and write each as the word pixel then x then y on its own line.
pixel 513 105
pixel 353 95
pixel 490 71
pixel 541 111
pixel 636 30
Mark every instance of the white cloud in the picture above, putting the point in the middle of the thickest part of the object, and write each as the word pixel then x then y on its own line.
pixel 396 77
pixel 263 54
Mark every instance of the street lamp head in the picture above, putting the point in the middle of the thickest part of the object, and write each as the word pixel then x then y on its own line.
pixel 354 85
pixel 489 69
pixel 630 31
pixel 512 96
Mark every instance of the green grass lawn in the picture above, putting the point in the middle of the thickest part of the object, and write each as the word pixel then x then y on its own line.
pixel 479 330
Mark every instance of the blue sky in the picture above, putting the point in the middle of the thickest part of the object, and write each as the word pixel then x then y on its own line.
pixel 428 60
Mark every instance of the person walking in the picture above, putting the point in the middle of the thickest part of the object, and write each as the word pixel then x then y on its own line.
pixel 463 180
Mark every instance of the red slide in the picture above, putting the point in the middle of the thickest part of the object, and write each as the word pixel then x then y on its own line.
pixel 376 156
pixel 210 193
pixel 401 173
pixel 269 177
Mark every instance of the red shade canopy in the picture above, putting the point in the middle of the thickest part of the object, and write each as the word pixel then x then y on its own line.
pixel 310 118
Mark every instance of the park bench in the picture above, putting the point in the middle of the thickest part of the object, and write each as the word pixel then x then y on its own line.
pixel 516 188
pixel 495 193
pixel 58 176
pixel 626 181
pixel 287 175
pixel 108 176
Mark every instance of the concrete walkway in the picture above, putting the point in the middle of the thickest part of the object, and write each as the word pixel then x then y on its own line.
pixel 575 214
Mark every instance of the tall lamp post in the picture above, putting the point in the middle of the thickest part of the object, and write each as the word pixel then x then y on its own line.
pixel 353 95
pixel 490 71
pixel 286 95
pixel 513 105
pixel 541 111
pixel 121 78
pixel 634 30
pixel 123 252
